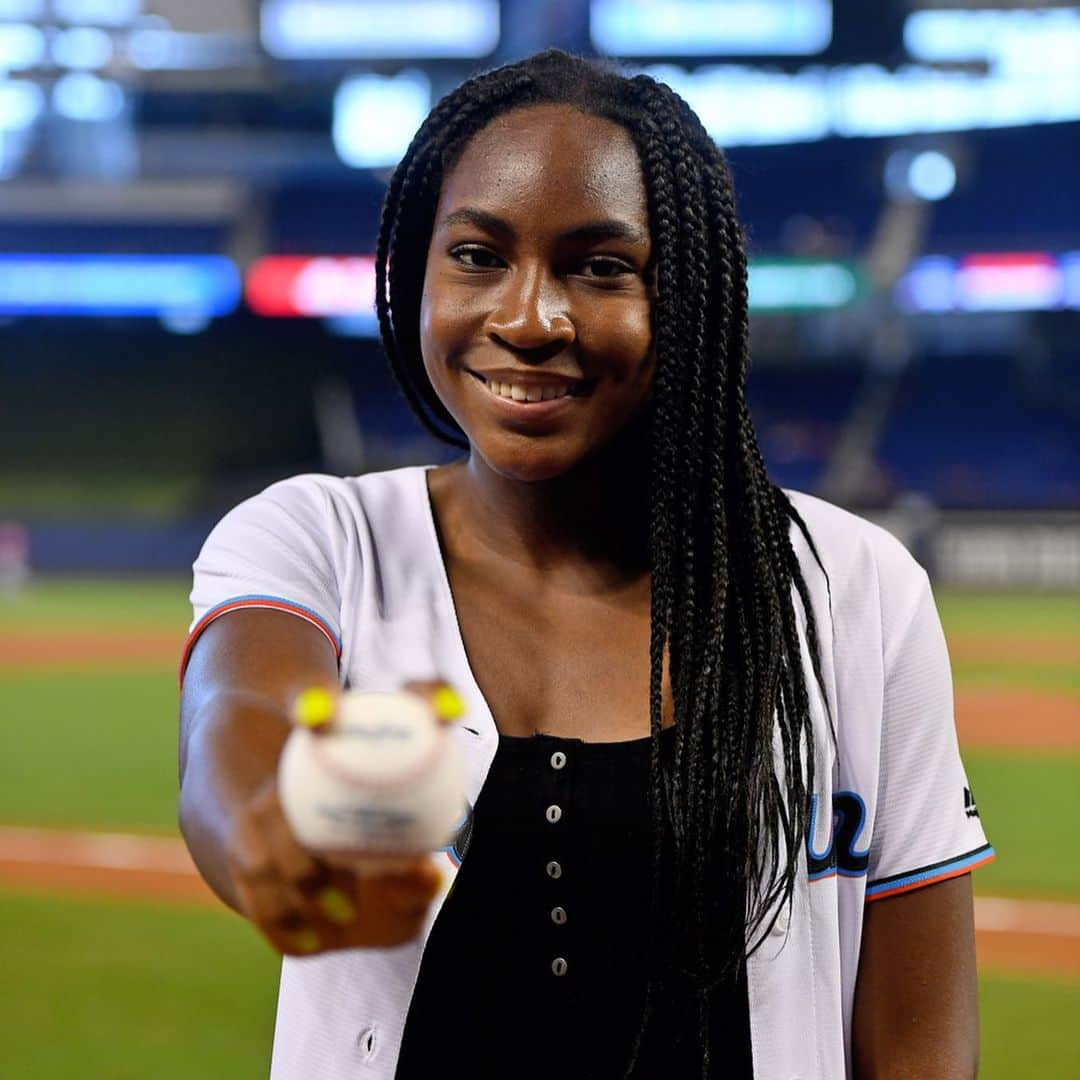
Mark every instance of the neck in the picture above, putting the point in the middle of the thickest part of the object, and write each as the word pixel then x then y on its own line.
pixel 589 524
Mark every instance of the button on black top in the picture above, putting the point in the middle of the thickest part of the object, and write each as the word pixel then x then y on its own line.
pixel 487 987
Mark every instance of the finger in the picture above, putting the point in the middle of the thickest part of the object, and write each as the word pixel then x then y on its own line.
pixel 271 903
pixel 336 905
pixel 410 893
pixel 315 708
pixel 287 856
pixel 445 702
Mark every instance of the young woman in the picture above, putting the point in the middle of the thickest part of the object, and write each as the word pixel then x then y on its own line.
pixel 706 721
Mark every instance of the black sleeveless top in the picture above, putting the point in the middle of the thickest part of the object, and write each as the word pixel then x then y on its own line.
pixel 535 966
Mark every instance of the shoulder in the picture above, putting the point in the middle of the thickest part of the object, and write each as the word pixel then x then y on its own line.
pixel 866 567
pixel 321 499
pixel 843 532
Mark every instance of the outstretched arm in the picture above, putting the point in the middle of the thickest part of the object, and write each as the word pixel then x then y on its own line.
pixel 244 672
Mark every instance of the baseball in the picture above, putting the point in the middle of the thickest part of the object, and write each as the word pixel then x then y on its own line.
pixel 387 779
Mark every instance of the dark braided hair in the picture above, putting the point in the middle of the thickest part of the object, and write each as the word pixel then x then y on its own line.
pixel 724 574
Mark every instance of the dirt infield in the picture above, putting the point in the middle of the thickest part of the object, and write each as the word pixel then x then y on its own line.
pixel 1018 719
pixel 35 650
pixel 160 870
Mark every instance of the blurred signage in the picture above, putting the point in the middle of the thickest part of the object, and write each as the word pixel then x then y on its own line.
pixel 313 286
pixel 704 27
pixel 173 286
pixel 1015 281
pixel 377 29
pixel 742 106
pixel 1032 39
pixel 804 284
pixel 1011 551
pixel 343 287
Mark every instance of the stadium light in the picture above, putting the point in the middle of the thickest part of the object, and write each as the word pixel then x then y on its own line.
pixel 704 28
pixel 22 46
pixel 97 12
pixel 929 175
pixel 81 48
pixel 22 10
pixel 379 29
pixel 1014 39
pixel 742 106
pixel 21 104
pixel 375 117
pixel 82 96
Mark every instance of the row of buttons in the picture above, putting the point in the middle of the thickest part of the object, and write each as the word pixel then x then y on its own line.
pixel 554 870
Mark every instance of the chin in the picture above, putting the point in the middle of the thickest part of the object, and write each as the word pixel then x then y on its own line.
pixel 532 461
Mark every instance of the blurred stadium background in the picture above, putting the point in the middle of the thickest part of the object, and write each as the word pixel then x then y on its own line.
pixel 189 195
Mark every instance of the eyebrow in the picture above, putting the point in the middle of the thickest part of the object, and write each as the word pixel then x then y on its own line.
pixel 590 232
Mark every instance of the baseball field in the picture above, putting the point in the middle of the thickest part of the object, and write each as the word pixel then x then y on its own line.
pixel 118 964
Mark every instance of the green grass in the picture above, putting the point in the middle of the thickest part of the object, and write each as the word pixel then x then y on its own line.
pixel 129 991
pixel 132 494
pixel 1030 808
pixel 1028 1029
pixel 93 749
pixel 1040 614
pixel 1059 677
pixel 82 603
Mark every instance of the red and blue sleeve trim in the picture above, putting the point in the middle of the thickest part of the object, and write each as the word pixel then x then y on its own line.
pixel 929 875
pixel 274 603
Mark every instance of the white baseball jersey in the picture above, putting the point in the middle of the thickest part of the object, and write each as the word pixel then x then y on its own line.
pixel 359 558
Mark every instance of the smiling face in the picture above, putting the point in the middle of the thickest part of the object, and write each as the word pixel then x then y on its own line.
pixel 535 315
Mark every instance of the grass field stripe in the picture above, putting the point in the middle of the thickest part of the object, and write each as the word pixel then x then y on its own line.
pixel 272 603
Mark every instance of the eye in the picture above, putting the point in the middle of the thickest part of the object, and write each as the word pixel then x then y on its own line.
pixel 476 254
pixel 610 268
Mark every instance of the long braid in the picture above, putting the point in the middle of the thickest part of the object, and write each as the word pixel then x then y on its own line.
pixel 725 578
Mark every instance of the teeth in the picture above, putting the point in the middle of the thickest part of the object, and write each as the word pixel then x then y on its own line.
pixel 529 393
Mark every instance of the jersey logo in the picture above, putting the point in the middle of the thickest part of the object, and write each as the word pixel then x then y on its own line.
pixel 970 809
pixel 842 855
pixel 459 845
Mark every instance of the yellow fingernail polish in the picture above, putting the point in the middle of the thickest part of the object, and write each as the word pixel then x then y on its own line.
pixel 314 708
pixel 448 703
pixel 337 906
pixel 306 941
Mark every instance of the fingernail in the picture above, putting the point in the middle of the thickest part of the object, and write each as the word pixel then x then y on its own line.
pixel 305 941
pixel 337 906
pixel 448 703
pixel 314 708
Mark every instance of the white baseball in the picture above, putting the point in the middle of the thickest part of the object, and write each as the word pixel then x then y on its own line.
pixel 387 780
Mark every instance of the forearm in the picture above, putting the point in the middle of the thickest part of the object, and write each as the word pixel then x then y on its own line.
pixel 232 748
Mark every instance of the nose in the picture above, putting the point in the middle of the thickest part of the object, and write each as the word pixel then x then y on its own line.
pixel 531 312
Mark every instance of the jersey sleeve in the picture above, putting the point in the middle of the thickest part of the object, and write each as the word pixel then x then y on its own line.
pixel 274 551
pixel 927 827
